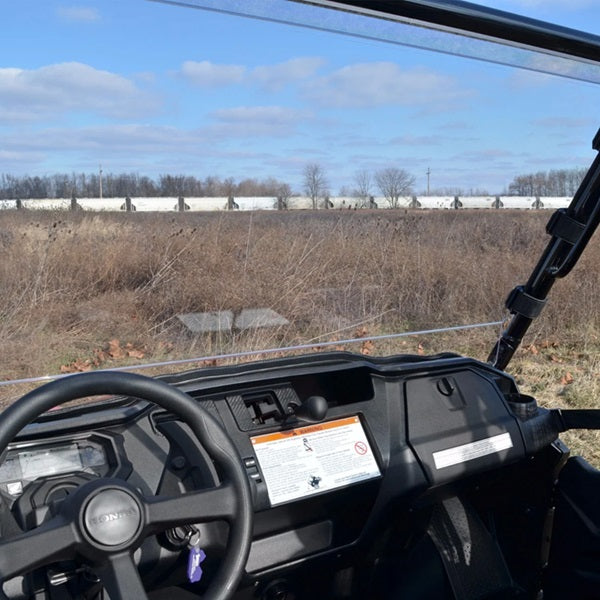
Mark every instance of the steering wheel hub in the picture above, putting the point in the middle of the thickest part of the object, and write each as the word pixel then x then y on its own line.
pixel 112 517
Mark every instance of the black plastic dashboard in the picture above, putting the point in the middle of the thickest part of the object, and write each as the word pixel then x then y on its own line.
pixel 396 429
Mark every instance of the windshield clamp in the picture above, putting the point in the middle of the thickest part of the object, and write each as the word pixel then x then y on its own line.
pixel 522 303
pixel 564 227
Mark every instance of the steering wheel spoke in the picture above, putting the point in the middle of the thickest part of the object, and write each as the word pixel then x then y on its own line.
pixel 120 577
pixel 50 542
pixel 217 503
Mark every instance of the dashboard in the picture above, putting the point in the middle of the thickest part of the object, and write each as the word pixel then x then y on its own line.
pixel 330 444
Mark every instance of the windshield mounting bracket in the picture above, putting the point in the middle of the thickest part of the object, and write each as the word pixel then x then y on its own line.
pixel 570 230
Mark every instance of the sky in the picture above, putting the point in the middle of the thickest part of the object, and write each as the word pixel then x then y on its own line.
pixel 149 88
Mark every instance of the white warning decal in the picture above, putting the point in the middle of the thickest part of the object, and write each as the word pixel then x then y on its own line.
pixel 300 462
pixel 472 450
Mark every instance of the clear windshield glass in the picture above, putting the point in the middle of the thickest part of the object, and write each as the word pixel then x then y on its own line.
pixel 407 31
pixel 180 184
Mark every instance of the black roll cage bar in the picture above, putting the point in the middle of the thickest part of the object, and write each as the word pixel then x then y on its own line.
pixel 474 20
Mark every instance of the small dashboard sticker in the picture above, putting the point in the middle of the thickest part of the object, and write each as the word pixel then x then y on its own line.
pixel 472 450
pixel 307 460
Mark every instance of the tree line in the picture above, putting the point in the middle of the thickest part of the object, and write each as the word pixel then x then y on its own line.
pixel 391 182
pixel 110 185
pixel 394 183
pixel 557 182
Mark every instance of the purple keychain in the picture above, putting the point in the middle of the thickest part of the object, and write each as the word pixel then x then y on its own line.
pixel 196 556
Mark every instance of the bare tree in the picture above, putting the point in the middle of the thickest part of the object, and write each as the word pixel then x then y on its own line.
pixel 363 182
pixel 284 192
pixel 393 183
pixel 229 187
pixel 315 183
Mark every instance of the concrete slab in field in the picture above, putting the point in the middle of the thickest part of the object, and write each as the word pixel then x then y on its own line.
pixel 207 322
pixel 253 318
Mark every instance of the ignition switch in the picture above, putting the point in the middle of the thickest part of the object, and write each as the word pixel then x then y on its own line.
pixel 179 537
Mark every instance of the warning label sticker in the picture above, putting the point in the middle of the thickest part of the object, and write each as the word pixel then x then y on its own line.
pixel 466 452
pixel 300 462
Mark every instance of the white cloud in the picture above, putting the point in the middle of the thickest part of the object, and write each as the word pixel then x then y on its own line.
pixel 51 91
pixel 121 143
pixel 257 121
pixel 78 14
pixel 19 159
pixel 112 139
pixel 275 77
pixel 150 150
pixel 145 76
pixel 564 123
pixel 428 141
pixel 123 147
pixel 210 75
pixel 487 155
pixel 365 85
pixel 256 113
pixel 272 78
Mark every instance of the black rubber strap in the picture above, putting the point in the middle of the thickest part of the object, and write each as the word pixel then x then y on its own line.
pixel 578 418
pixel 565 228
pixel 522 303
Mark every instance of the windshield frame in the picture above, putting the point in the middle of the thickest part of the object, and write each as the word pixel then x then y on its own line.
pixel 471 19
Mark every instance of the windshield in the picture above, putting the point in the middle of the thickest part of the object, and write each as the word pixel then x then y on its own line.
pixel 181 186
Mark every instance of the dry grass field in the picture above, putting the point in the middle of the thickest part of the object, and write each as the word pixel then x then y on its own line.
pixel 81 290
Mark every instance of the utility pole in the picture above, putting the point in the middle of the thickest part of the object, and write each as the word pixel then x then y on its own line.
pixel 100 170
pixel 428 174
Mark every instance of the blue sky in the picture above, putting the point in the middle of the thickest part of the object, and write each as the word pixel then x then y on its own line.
pixel 145 87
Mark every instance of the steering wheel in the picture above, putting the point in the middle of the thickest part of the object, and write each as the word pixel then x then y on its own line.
pixel 104 521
